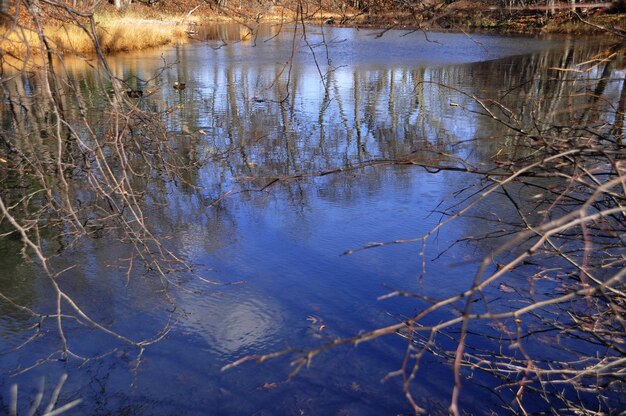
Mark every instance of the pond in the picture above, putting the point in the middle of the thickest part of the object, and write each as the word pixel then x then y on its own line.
pixel 293 139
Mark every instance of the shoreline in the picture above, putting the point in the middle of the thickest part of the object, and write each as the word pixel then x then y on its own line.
pixel 141 27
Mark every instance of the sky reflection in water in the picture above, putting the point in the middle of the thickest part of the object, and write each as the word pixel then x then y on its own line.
pixel 253 117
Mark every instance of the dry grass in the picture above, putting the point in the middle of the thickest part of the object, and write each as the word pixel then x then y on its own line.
pixel 572 25
pixel 17 41
pixel 115 34
pixel 125 34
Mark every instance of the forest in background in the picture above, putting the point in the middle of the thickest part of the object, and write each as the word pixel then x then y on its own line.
pixel 501 15
pixel 124 25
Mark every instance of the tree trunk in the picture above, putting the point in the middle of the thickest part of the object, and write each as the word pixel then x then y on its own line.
pixel 4 12
pixel 121 4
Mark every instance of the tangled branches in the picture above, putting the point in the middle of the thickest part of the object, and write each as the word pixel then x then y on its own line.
pixel 542 319
pixel 71 174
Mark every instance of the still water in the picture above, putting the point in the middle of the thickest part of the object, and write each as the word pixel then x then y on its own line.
pixel 289 107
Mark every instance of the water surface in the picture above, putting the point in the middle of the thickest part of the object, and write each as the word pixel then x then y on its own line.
pixel 254 112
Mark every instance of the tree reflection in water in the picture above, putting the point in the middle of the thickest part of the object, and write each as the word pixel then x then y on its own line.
pixel 260 176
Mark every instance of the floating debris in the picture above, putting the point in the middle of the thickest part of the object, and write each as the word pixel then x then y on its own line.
pixel 131 93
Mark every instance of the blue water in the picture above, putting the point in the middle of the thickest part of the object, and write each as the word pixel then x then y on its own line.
pixel 277 247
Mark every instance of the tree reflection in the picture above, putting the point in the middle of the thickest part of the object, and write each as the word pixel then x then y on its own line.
pixel 88 166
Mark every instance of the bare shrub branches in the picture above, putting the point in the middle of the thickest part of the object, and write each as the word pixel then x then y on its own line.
pixel 543 315
pixel 73 174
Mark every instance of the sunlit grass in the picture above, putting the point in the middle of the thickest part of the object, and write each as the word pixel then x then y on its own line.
pixel 114 33
pixel 17 42
pixel 126 34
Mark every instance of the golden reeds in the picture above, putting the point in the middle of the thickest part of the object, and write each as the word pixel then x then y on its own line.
pixel 114 35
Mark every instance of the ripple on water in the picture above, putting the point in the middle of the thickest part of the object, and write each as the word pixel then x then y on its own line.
pixel 235 324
